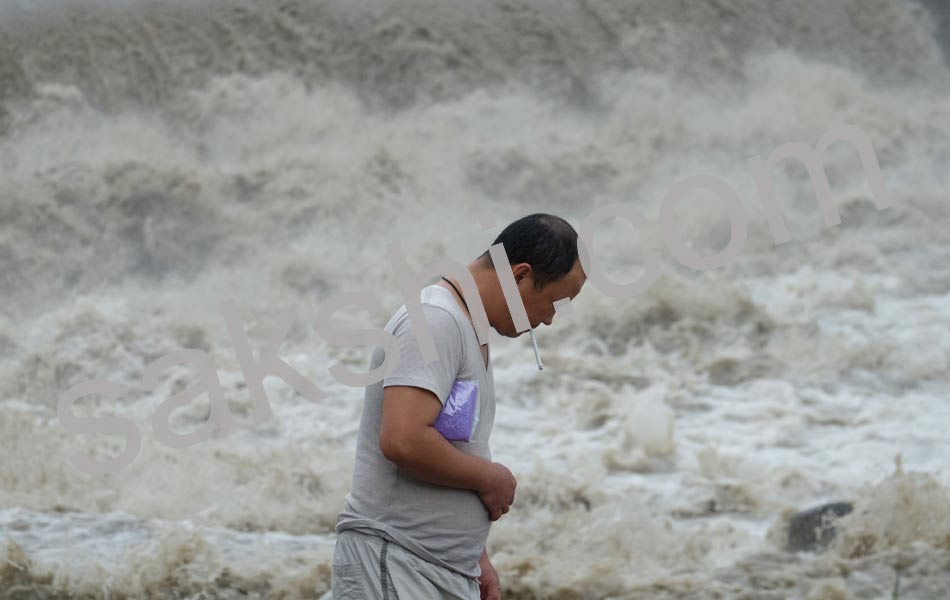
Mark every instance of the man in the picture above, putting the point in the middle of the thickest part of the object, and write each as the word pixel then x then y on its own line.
pixel 417 517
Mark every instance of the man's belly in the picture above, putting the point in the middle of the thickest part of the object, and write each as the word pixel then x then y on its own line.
pixel 451 524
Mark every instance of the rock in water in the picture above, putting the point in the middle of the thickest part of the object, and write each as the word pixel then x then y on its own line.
pixel 811 530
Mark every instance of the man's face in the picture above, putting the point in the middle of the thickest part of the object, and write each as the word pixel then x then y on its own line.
pixel 540 304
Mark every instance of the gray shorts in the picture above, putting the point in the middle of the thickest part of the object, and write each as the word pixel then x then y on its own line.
pixel 368 567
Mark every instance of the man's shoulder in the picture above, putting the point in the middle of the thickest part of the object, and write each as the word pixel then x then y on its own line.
pixel 439 316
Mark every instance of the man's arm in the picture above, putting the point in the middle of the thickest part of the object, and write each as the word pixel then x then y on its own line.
pixel 488 583
pixel 408 439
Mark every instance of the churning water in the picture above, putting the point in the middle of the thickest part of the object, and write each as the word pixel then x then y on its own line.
pixel 160 158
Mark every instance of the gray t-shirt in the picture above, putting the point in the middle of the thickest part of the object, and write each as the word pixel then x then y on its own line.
pixel 444 525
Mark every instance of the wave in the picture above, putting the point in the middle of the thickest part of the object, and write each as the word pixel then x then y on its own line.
pixel 145 53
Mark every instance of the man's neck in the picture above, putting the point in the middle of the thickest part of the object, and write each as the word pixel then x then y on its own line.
pixel 458 299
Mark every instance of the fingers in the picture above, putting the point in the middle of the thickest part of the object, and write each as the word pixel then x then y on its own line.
pixel 498 511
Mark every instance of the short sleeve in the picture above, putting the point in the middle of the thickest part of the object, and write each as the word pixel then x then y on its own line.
pixel 438 375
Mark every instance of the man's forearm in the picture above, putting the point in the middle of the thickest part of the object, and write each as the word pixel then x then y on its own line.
pixel 429 457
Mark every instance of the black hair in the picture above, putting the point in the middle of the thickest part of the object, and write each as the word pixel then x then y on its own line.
pixel 546 242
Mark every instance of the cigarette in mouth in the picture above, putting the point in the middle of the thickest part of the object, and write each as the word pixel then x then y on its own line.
pixel 534 343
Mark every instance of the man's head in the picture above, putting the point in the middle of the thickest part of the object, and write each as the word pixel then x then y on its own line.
pixel 542 252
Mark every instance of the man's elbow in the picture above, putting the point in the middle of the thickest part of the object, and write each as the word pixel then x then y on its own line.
pixel 397 448
pixel 389 446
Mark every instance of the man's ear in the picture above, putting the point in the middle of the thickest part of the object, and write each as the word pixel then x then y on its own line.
pixel 521 271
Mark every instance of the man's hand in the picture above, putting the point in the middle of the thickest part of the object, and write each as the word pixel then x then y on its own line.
pixel 488 581
pixel 497 491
